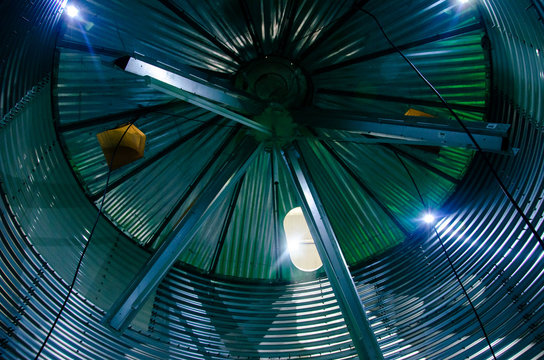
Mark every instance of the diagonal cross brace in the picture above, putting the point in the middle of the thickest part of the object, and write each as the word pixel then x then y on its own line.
pixel 334 263
pixel 409 129
pixel 135 296
pixel 216 98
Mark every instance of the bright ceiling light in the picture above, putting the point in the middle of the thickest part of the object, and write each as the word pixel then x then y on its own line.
pixel 293 244
pixel 428 218
pixel 464 1
pixel 302 249
pixel 72 11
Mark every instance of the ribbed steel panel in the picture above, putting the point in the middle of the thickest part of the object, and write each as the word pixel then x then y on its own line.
pixel 456 66
pixel 276 321
pixel 162 130
pixel 518 54
pixel 144 204
pixel 26 53
pixel 50 207
pixel 353 214
pixel 84 81
pixel 153 30
pixel 415 305
pixel 151 197
pixel 252 219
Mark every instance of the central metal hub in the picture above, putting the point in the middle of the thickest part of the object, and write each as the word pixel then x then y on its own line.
pixel 281 84
pixel 275 80
pixel 279 121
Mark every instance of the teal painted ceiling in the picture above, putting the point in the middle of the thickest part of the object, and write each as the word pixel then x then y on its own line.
pixel 365 189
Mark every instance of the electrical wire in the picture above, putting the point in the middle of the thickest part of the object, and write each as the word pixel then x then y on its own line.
pixel 450 109
pixel 487 161
pixel 450 262
pixel 71 287
pixel 463 126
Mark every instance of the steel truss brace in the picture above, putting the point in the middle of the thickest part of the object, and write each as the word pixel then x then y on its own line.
pixel 214 95
pixel 411 130
pixel 334 263
pixel 148 278
pixel 216 98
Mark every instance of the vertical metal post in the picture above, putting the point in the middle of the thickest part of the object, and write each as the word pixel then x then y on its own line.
pixel 127 306
pixel 334 263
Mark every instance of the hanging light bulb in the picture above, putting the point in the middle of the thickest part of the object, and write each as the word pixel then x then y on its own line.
pixel 301 246
pixel 72 11
pixel 429 218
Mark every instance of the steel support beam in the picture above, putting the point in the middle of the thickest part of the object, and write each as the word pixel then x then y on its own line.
pixel 275 158
pixel 334 263
pixel 130 302
pixel 215 98
pixel 206 104
pixel 188 191
pixel 186 80
pixel 414 130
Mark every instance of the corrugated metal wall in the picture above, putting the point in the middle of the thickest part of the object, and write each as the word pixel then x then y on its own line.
pixel 29 31
pixel 518 56
pixel 350 68
pixel 415 305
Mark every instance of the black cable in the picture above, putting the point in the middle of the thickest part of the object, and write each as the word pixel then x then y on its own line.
pixel 478 148
pixel 411 178
pixel 70 289
pixel 488 163
pixel 482 327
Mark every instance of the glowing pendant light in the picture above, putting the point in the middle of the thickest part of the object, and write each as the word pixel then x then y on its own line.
pixel 302 249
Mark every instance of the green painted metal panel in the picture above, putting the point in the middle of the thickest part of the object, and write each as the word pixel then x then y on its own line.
pixel 144 204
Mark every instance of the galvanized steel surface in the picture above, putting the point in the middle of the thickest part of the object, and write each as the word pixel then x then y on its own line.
pixel 88 84
pixel 518 55
pixel 415 305
pixel 49 205
pixel 28 35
